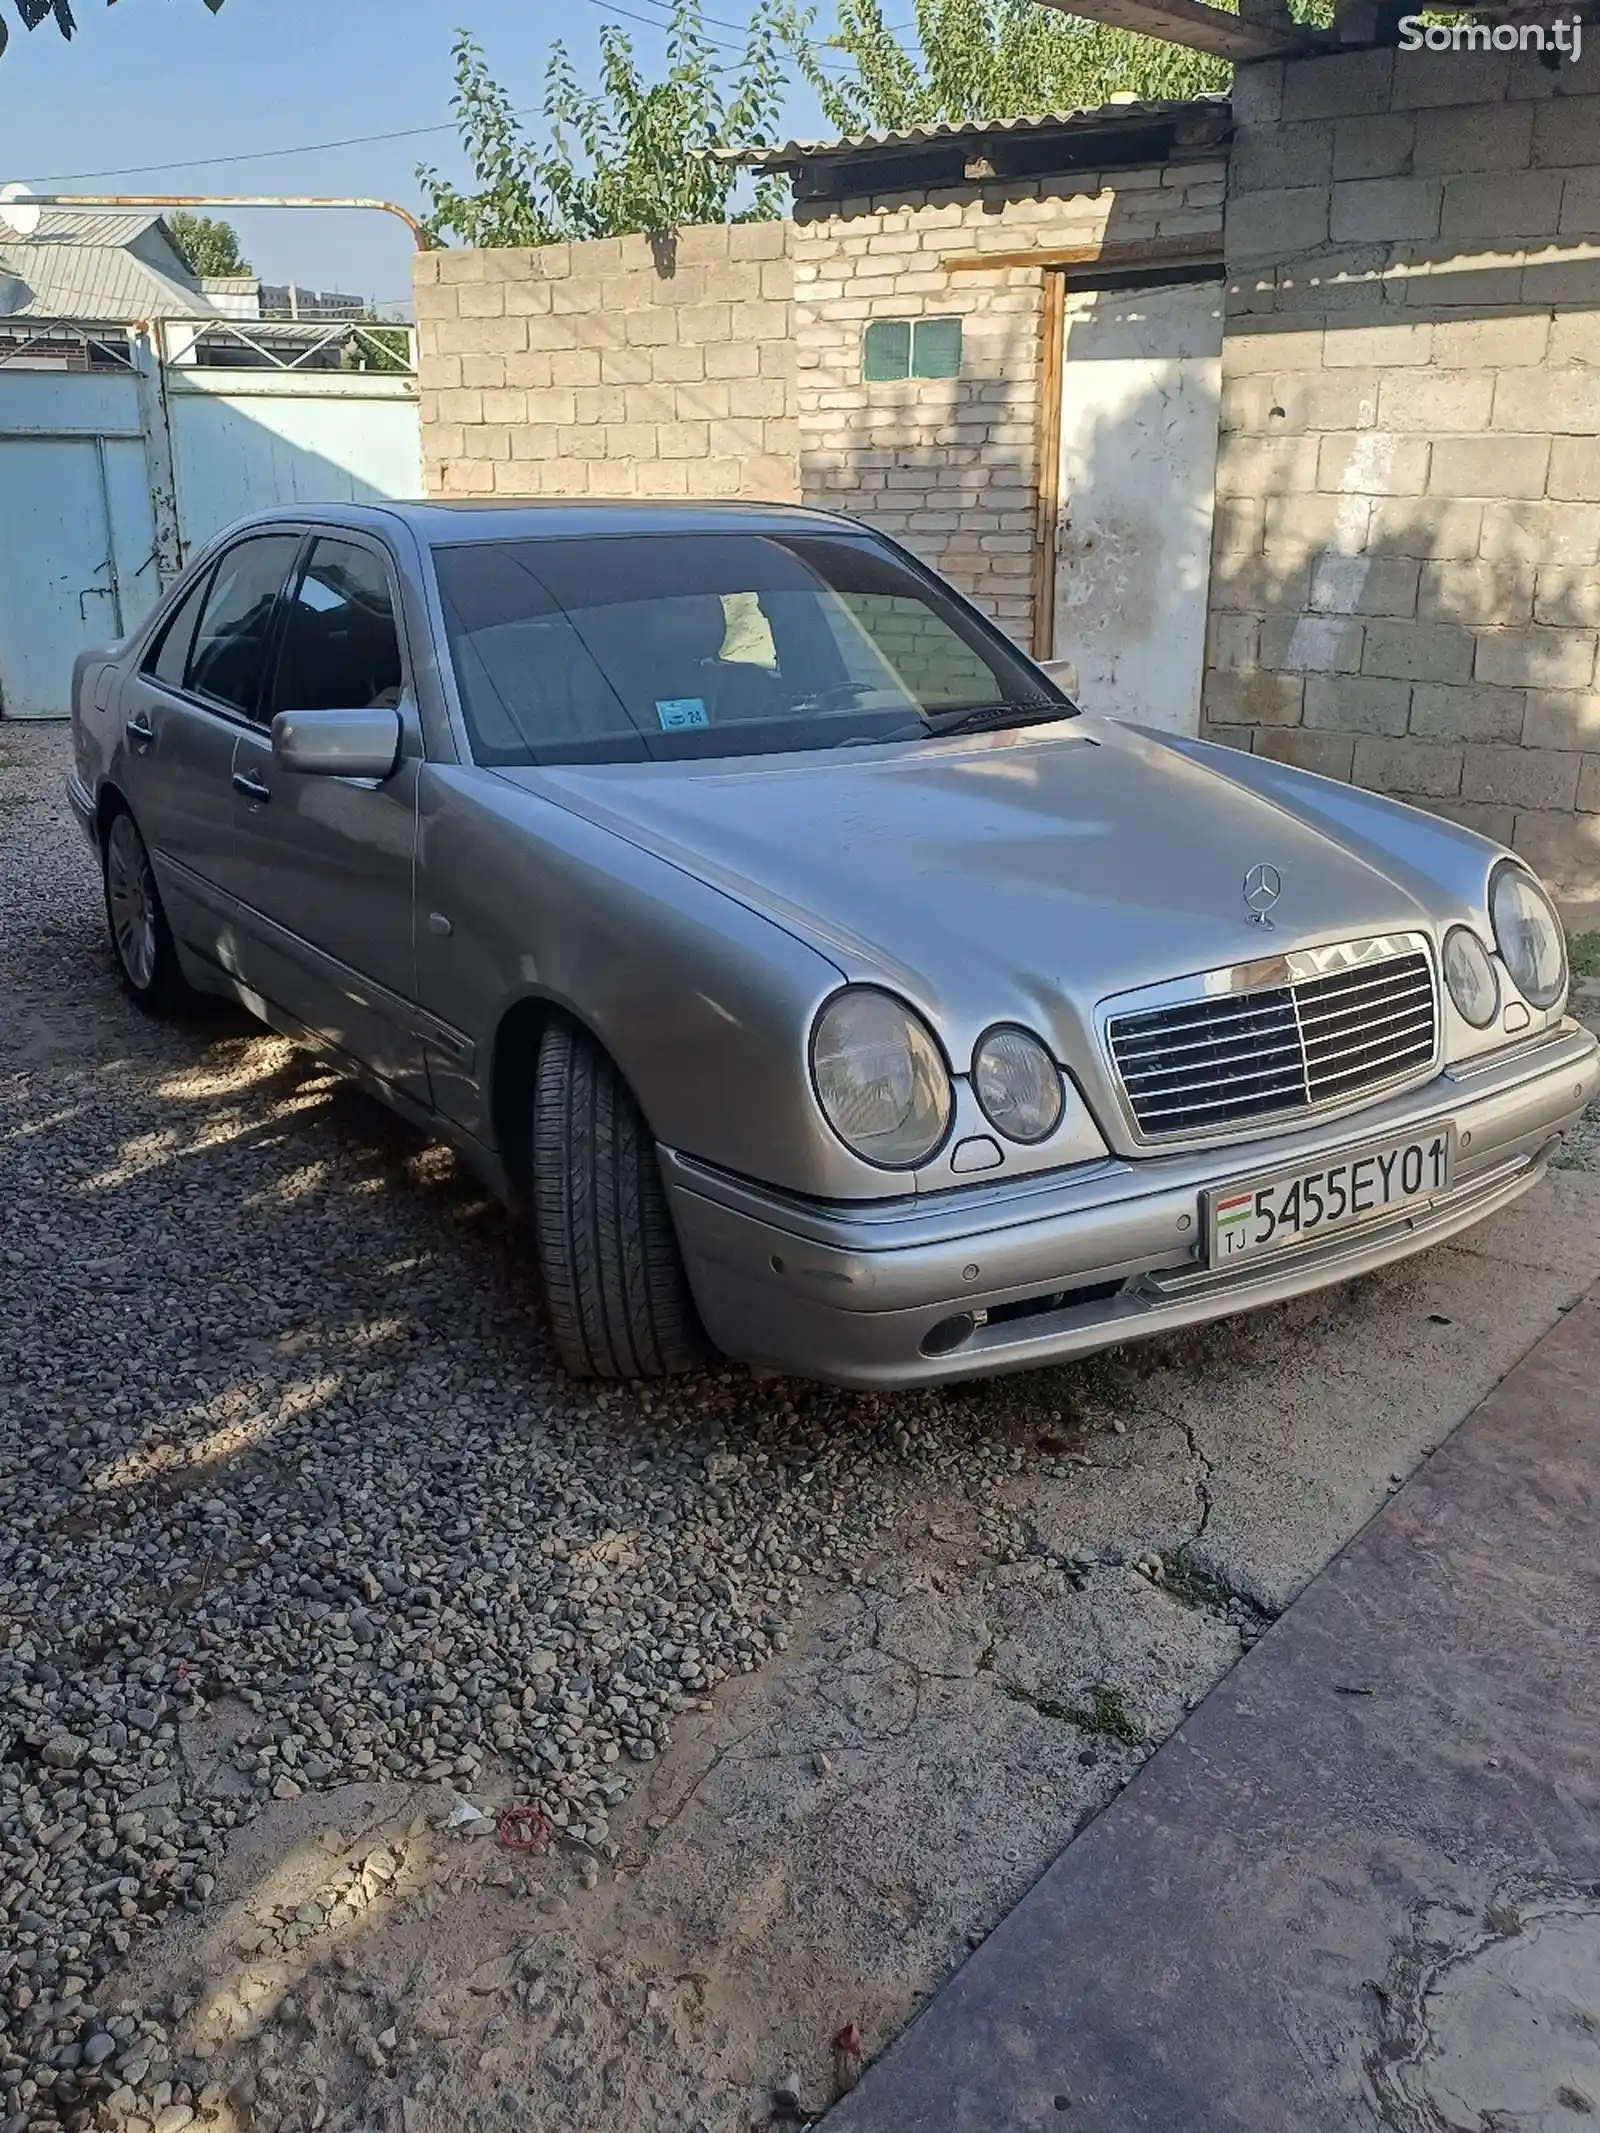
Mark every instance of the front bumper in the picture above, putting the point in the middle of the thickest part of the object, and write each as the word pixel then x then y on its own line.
pixel 1055 1266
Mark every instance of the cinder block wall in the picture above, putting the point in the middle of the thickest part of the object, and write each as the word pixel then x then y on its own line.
pixel 623 367
pixel 949 466
pixel 1404 585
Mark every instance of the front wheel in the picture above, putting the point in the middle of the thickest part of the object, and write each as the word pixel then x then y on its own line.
pixel 614 1284
pixel 141 939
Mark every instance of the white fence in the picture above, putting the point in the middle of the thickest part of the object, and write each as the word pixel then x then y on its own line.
pixel 121 452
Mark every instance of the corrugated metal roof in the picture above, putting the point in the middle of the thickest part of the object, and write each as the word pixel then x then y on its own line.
pixel 84 226
pixel 1090 118
pixel 91 282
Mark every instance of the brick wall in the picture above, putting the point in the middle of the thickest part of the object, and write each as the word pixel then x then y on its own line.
pixel 949 465
pixel 623 367
pixel 1404 585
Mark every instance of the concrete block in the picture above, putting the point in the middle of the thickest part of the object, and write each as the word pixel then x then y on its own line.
pixel 1560 274
pixel 1442 713
pixel 674 365
pixel 575 366
pixel 1489 466
pixel 486 372
pixel 1271 158
pixel 481 299
pixel 1460 274
pixel 1376 146
pixel 1562 718
pixel 683 440
pixel 1429 401
pixel 1373 463
pixel 1231 640
pixel 535 441
pixel 759 240
pixel 1364 585
pixel 1238 737
pixel 1564 850
pixel 1418 651
pixel 1499 343
pixel 1569 599
pixel 1330 755
pixel 1302 526
pixel 1426 79
pixel 531 369
pixel 1258 699
pixel 1345 703
pixel 1589 786
pixel 1506 204
pixel 554 404
pixel 1536 658
pixel 1557 400
pixel 460 267
pixel 1256 466
pixel 1428 769
pixel 580 292
pixel 1312 644
pixel 1434 527
pixel 1463 138
pixel 1520 777
pixel 1476 592
pixel 1541 533
pixel 1337 85
pixel 1384 210
pixel 1268 345
pixel 1258 93
pixel 1274 225
pixel 1381 347
pixel 1580 204
pixel 1566 130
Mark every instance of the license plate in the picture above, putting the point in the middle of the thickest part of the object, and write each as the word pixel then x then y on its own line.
pixel 1293 1207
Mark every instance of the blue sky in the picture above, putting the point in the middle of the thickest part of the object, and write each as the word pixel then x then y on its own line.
pixel 149 80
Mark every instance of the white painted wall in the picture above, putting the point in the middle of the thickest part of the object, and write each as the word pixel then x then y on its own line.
pixel 1140 384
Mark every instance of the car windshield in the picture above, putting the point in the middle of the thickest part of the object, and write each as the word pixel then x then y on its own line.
pixel 631 648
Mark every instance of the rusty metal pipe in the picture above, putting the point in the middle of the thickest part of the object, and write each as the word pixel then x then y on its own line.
pixel 386 207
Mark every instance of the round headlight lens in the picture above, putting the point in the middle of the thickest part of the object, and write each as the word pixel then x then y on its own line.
pixel 1018 1085
pixel 1529 936
pixel 881 1079
pixel 1470 976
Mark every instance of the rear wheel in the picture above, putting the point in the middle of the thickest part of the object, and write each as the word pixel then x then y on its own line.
pixel 141 939
pixel 614 1284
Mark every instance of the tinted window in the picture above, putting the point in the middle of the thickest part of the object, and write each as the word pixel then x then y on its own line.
pixel 231 643
pixel 340 650
pixel 169 655
pixel 631 647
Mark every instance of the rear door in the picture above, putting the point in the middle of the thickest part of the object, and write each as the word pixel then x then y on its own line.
pixel 323 867
pixel 182 714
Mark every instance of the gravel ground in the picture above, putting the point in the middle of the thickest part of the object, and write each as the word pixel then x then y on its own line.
pixel 304 1537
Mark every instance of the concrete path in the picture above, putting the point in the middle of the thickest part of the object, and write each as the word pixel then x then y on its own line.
pixel 1360 1887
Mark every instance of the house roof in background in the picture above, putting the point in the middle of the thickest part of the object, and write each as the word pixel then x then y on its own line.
pixel 1100 120
pixel 90 265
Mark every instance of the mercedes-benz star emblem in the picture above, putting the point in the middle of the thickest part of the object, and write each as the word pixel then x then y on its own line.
pixel 1263 885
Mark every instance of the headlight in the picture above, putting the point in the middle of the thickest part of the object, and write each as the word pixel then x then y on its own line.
pixel 881 1079
pixel 1528 933
pixel 1018 1085
pixel 1470 976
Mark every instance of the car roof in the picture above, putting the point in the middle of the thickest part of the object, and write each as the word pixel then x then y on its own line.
pixel 446 523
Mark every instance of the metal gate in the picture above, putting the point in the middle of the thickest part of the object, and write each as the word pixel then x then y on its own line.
pixel 123 450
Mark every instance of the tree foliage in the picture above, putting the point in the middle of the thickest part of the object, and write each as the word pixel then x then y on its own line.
pixel 984 59
pixel 625 157
pixel 206 244
pixel 33 12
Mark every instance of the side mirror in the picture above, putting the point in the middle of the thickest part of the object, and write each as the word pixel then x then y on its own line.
pixel 337 744
pixel 1064 673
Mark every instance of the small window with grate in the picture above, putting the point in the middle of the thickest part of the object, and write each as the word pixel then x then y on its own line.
pixel 911 348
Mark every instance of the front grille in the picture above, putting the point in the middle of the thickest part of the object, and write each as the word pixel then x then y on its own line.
pixel 1207 1064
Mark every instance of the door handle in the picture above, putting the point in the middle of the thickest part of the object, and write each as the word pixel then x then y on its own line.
pixel 247 783
pixel 139 730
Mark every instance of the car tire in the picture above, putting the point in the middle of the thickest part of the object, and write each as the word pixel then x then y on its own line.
pixel 614 1285
pixel 136 920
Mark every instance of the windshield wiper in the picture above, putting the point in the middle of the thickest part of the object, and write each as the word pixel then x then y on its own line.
pixel 977 718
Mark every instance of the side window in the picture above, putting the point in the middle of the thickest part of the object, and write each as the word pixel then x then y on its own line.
pixel 230 646
pixel 168 657
pixel 340 650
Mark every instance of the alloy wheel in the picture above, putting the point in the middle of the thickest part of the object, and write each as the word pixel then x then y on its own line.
pixel 131 901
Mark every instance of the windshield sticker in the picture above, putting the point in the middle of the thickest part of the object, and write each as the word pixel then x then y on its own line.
pixel 676 712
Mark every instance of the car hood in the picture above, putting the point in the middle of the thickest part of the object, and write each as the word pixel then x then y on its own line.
pixel 1024 874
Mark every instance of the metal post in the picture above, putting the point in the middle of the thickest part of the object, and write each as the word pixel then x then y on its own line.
pixel 155 420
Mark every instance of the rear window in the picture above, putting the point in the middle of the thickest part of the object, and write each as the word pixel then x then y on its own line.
pixel 632 647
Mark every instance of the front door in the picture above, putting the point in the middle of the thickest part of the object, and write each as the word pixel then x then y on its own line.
pixel 322 867
pixel 182 715
pixel 1140 382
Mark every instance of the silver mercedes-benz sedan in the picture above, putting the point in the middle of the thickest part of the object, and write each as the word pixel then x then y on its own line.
pixel 825 985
